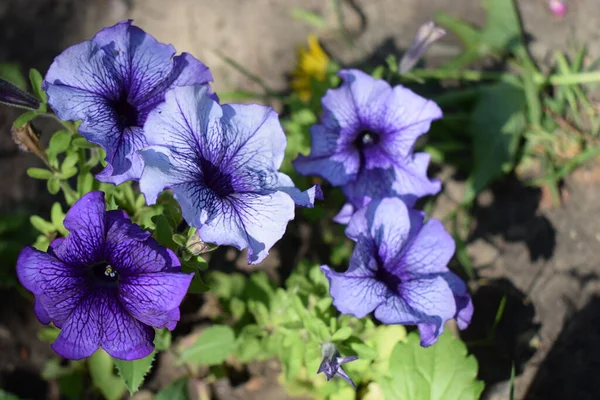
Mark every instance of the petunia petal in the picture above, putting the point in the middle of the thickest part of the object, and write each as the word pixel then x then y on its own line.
pixel 302 199
pixel 58 287
pixel 357 291
pixel 86 224
pixel 151 297
pixel 464 304
pixel 430 250
pixel 428 303
pixel 326 160
pixel 249 220
pixel 123 336
pixel 81 334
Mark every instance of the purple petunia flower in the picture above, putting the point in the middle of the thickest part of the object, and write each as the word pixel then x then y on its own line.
pixel 222 162
pixel 399 270
pixel 106 284
pixel 111 83
pixel 332 364
pixel 365 142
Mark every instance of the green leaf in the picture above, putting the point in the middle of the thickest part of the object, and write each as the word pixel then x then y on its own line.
pixel 36 84
pixel 60 141
pixel 24 118
pixel 81 143
pixel 53 185
pixel 101 366
pixel 57 217
pixel 39 173
pixel 496 126
pixel 440 372
pixel 212 347
pixel 7 396
pixel 175 391
pixel 342 334
pixel 41 224
pixel 85 183
pixel 502 30
pixel 12 73
pixel 133 372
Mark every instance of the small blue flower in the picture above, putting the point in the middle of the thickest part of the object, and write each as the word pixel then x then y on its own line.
pixel 332 364
pixel 111 83
pixel 364 142
pixel 222 164
pixel 399 270
pixel 105 285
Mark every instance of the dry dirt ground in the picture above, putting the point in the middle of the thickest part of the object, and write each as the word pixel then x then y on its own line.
pixel 543 260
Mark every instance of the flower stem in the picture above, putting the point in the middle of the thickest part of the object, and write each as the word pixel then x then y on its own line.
pixel 475 76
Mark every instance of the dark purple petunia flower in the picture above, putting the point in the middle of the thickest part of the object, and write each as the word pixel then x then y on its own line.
pixel 111 83
pixel 399 270
pixel 332 363
pixel 222 164
pixel 365 142
pixel 105 285
pixel 13 96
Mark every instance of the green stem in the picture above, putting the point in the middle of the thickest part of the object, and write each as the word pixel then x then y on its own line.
pixel 476 76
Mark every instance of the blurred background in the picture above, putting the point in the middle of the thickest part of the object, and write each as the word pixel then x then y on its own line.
pixel 540 259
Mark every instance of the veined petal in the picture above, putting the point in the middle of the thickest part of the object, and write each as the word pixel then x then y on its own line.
pixel 249 220
pixel 357 291
pixel 123 158
pixel 464 304
pixel 58 287
pixel 123 336
pixel 86 223
pixel 81 334
pixel 151 297
pixel 429 252
pixel 162 170
pixel 303 199
pixel 427 303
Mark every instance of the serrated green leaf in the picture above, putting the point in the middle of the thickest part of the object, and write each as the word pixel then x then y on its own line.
pixel 342 334
pixel 134 371
pixel 24 118
pixel 175 391
pixel 39 173
pixel 440 372
pixel 101 366
pixel 212 347
pixel 496 127
pixel 35 78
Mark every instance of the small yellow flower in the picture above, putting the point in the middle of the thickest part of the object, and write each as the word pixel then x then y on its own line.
pixel 312 64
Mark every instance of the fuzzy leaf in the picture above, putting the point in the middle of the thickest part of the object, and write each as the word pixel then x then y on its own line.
pixel 175 391
pixel 100 365
pixel 496 126
pixel 440 372
pixel 212 347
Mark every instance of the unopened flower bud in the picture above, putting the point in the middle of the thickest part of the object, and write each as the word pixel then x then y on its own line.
pixel 13 96
pixel 426 35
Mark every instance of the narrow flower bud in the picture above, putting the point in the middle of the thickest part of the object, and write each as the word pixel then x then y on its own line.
pixel 332 364
pixel 426 35
pixel 15 97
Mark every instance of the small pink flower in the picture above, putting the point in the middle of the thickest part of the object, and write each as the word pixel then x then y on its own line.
pixel 557 7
